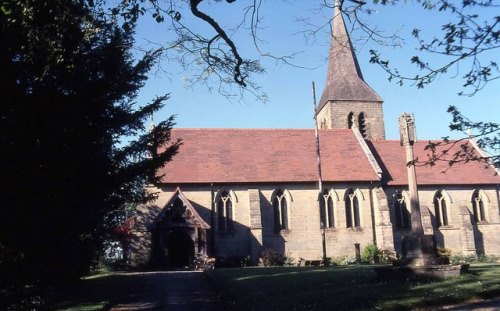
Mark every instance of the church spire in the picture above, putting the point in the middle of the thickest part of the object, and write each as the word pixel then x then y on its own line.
pixel 344 81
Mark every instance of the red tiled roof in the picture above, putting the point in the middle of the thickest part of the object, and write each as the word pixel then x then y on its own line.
pixel 392 158
pixel 266 155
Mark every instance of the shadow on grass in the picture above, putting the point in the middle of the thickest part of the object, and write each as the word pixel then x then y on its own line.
pixel 346 288
pixel 101 292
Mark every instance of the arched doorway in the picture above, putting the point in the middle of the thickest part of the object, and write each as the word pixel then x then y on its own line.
pixel 179 248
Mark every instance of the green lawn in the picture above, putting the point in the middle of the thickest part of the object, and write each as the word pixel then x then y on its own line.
pixel 100 291
pixel 346 288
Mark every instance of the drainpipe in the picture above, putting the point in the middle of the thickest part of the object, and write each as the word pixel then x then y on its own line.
pixel 320 177
pixel 372 208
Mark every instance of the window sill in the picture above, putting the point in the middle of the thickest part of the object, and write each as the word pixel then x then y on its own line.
pixel 482 222
pixel 355 229
pixel 446 227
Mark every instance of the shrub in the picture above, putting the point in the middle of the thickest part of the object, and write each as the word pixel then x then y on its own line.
pixel 444 252
pixel 245 262
pixel 341 260
pixel 487 258
pixel 232 262
pixel 387 256
pixel 370 254
pixel 460 258
pixel 270 258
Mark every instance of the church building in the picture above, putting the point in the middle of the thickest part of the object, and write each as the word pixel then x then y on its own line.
pixel 232 193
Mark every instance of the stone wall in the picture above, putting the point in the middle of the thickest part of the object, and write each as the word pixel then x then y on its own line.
pixel 140 251
pixel 253 221
pixel 335 116
pixel 457 234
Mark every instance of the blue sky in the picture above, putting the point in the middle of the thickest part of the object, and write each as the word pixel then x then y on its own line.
pixel 289 88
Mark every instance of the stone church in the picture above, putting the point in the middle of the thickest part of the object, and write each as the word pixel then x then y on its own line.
pixel 232 193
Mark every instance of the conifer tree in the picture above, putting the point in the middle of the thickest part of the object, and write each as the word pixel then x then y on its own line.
pixel 73 140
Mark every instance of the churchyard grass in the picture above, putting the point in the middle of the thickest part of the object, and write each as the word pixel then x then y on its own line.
pixel 347 288
pixel 300 288
pixel 98 292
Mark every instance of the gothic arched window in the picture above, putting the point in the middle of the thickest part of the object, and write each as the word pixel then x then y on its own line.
pixel 441 209
pixel 326 210
pixel 224 212
pixel 352 209
pixel 362 124
pixel 280 211
pixel 401 211
pixel 478 210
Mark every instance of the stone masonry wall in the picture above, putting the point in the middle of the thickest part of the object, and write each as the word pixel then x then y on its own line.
pixel 455 235
pixel 304 236
pixel 302 239
pixel 335 115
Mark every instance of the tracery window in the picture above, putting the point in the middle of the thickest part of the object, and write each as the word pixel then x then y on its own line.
pixel 352 209
pixel 441 209
pixel 401 212
pixel 224 212
pixel 326 210
pixel 280 211
pixel 478 208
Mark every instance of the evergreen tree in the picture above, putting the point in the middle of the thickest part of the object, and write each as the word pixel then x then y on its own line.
pixel 73 140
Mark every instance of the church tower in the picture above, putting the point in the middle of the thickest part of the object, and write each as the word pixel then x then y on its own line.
pixel 347 101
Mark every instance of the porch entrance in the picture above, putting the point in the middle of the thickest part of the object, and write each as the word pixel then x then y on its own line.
pixel 180 249
pixel 178 235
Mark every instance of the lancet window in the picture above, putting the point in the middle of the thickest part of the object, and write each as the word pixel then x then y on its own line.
pixel 440 209
pixel 280 211
pixel 224 212
pixel 352 209
pixel 401 212
pixel 326 210
pixel 478 208
pixel 350 120
pixel 362 124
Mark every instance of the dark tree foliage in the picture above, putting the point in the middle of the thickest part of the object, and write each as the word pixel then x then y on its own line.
pixel 68 88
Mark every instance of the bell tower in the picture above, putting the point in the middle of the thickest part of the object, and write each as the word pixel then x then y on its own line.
pixel 347 101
